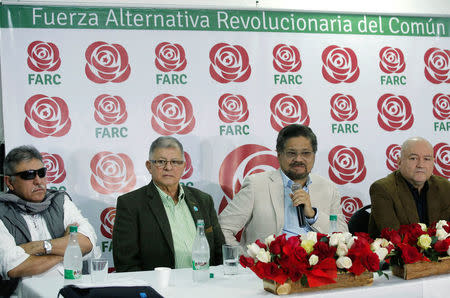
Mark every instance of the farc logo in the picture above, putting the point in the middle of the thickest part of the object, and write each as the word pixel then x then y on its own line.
pixel 349 206
pixel 288 109
pixel 241 162
pixel 46 116
pixel 441 106
pixel 392 156
pixel 107 63
pixel 233 108
pixel 112 173
pixel 55 167
pixel 170 57
pixel 172 115
pixel 43 56
pixel 394 112
pixel 392 60
pixel 188 169
pixel 229 63
pixel 340 65
pixel 107 218
pixel 442 160
pixel 346 165
pixel 286 58
pixel 343 107
pixel 437 65
pixel 110 109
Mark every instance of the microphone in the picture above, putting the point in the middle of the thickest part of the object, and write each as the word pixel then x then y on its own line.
pixel 300 212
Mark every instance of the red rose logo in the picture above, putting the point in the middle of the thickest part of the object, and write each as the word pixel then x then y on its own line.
pixel 229 63
pixel 392 156
pixel 110 110
pixel 343 107
pixel 107 218
pixel 55 167
pixel 288 109
pixel 346 165
pixel 349 206
pixel 107 63
pixel 441 106
pixel 241 162
pixel 339 65
pixel 43 56
pixel 46 116
pixel 112 173
pixel 442 160
pixel 188 169
pixel 172 115
pixel 437 65
pixel 286 58
pixel 170 57
pixel 394 112
pixel 232 108
pixel 392 60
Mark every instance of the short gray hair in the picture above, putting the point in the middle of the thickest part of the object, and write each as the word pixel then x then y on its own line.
pixel 19 154
pixel 165 142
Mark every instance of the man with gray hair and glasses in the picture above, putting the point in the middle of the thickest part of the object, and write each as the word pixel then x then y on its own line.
pixel 155 225
pixel 34 221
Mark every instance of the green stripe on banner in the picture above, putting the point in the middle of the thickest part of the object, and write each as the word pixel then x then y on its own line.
pixel 58 17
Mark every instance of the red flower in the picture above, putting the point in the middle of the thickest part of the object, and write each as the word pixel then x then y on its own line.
pixel 260 244
pixel 391 235
pixel 323 273
pixel 323 250
pixel 442 245
pixel 410 254
pixel 357 267
pixel 246 261
pixel 365 236
pixel 371 262
pixel 275 247
pixel 360 248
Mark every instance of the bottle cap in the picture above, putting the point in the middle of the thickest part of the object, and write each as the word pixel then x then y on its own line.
pixel 73 229
pixel 333 217
pixel 211 275
pixel 200 222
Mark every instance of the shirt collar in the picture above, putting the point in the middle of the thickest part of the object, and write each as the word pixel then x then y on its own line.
pixel 166 198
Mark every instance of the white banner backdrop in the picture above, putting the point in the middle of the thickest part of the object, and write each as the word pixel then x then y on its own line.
pixel 92 98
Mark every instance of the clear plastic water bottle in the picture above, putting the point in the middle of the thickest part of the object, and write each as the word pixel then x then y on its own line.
pixel 333 223
pixel 73 262
pixel 200 254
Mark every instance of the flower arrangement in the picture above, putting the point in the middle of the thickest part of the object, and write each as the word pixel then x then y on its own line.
pixel 417 242
pixel 314 258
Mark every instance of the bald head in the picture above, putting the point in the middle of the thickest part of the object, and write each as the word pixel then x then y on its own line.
pixel 416 161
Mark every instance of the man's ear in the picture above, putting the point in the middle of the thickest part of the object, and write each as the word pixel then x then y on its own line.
pixel 8 182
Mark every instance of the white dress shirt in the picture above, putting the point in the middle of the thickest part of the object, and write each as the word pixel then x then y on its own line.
pixel 12 255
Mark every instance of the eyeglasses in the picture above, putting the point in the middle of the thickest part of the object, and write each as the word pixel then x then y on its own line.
pixel 303 154
pixel 31 174
pixel 161 163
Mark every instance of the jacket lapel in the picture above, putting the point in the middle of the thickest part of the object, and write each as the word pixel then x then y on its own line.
pixel 157 207
pixel 276 191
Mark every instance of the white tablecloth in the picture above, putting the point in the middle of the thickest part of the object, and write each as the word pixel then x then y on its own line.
pixel 247 284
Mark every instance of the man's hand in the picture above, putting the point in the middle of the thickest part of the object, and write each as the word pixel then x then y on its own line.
pixel 34 247
pixel 302 197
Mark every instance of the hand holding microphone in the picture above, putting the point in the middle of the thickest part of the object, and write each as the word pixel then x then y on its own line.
pixel 300 208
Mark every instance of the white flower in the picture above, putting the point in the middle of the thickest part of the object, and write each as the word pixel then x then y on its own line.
pixel 252 249
pixel 385 242
pixel 441 224
pixel 423 226
pixel 347 236
pixel 309 236
pixel 376 244
pixel 269 239
pixel 344 262
pixel 381 252
pixel 342 249
pixel 263 256
pixel 441 234
pixel 351 241
pixel 335 238
pixel 313 260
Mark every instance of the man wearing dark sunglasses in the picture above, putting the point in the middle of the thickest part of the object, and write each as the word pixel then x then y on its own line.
pixel 34 221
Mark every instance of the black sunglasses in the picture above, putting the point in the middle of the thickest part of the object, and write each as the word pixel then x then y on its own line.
pixel 31 174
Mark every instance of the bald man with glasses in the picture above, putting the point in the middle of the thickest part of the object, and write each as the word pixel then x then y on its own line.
pixel 155 225
pixel 34 221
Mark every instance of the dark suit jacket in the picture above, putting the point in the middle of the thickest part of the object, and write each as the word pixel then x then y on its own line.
pixel 393 204
pixel 142 239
